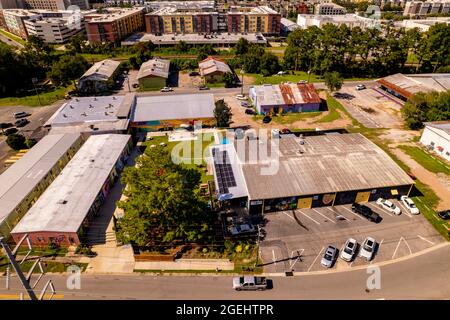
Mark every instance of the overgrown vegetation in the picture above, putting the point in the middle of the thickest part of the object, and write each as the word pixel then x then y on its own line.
pixel 426 160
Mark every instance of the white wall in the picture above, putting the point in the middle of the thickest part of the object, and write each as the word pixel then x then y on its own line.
pixel 439 138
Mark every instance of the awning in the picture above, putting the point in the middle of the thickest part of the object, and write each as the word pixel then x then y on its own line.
pixel 394 192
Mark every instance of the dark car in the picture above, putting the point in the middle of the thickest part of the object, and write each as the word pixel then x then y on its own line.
pixel 5 125
pixel 250 111
pixel 9 131
pixel 21 122
pixel 194 73
pixel 244 104
pixel 267 119
pixel 444 214
pixel 203 88
pixel 21 114
pixel 366 212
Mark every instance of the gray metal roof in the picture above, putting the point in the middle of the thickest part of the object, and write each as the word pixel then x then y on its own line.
pixel 441 125
pixel 425 82
pixel 66 202
pixel 155 67
pixel 173 106
pixel 326 164
pixel 23 176
pixel 211 65
pixel 101 70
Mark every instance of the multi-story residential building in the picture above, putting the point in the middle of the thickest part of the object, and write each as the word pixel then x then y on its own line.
pixel 419 8
pixel 329 8
pixel 114 24
pixel 54 30
pixel 8 4
pixel 54 4
pixel 196 19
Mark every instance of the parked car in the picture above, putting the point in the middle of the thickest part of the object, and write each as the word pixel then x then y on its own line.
pixel 286 131
pixel 6 125
pixel 135 85
pixel 366 212
pixel 267 119
pixel 193 74
pixel 409 204
pixel 166 89
pixel 280 73
pixel 249 283
pixel 203 88
pixel 250 111
pixel 444 214
pixel 242 229
pixel 21 114
pixel 329 257
pixel 9 131
pixel 241 97
pixel 368 248
pixel 244 104
pixel 349 250
pixel 21 122
pixel 303 81
pixel 389 206
pixel 360 87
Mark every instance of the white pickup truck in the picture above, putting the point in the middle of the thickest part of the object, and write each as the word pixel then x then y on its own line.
pixel 249 283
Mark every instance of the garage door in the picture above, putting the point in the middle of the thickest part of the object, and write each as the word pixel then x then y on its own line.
pixel 304 203
pixel 362 196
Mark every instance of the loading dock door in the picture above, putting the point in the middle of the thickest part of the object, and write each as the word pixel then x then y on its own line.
pixel 362 196
pixel 304 203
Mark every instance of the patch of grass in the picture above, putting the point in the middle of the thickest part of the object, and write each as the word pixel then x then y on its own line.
pixel 49 266
pixel 95 57
pixel 425 159
pixel 45 98
pixel 215 84
pixel 291 117
pixel 296 77
pixel 333 105
pixel 13 37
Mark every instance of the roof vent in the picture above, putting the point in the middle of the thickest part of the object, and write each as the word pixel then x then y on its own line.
pixel 71 107
pixel 114 98
pixel 95 99
pixel 91 106
pixel 76 99
pixel 64 115
pixel 62 201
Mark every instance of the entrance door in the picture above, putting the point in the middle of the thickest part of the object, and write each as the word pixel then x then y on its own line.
pixel 362 196
pixel 304 203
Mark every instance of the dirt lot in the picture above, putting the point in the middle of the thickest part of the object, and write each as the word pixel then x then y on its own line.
pixel 297 239
pixel 372 107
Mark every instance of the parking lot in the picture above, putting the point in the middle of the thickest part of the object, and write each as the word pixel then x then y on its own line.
pixel 296 240
pixel 373 107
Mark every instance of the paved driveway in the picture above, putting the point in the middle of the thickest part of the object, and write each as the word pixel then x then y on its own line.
pixel 296 239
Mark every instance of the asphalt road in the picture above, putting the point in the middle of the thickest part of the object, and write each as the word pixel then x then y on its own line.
pixel 10 42
pixel 420 277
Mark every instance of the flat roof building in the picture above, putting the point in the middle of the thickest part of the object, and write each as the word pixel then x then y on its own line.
pixel 404 86
pixel 64 211
pixel 99 77
pixel 24 181
pixel 285 97
pixel 311 171
pixel 93 115
pixel 153 73
pixel 170 111
pixel 350 20
pixel 436 137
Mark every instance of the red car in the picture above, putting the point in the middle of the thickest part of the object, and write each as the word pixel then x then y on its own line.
pixel 285 131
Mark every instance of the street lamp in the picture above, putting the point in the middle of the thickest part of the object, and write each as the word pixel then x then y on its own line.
pixel 242 81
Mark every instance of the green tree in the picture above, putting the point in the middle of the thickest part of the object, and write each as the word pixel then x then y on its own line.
pixel 67 69
pixel 163 202
pixel 16 141
pixel 242 46
pixel 222 113
pixel 269 64
pixel 333 81
pixel 229 79
pixel 181 47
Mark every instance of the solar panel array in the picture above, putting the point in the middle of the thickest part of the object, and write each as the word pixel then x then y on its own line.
pixel 224 171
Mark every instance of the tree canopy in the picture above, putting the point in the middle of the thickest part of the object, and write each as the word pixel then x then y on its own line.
pixel 333 81
pixel 222 113
pixel 163 202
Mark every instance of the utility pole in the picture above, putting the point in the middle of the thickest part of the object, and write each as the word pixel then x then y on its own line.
pixel 242 81
pixel 25 279
pixel 257 245
pixel 34 81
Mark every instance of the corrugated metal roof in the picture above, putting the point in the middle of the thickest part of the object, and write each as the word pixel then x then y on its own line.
pixel 23 176
pixel 211 65
pixel 286 94
pixel 441 125
pixel 324 164
pixel 103 69
pixel 409 84
pixel 66 202
pixel 170 107
pixel 155 67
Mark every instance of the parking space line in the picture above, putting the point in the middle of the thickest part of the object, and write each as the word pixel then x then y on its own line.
pixel 308 217
pixel 274 260
pixel 289 215
pixel 314 261
pixel 299 254
pixel 353 213
pixel 339 214
pixel 407 244
pixel 383 210
pixel 420 237
pixel 398 245
pixel 323 215
pixel 404 209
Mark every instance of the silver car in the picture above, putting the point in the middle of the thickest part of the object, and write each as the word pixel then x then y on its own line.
pixel 329 257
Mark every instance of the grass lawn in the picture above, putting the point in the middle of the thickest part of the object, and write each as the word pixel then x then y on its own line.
pixel 46 98
pixel 13 37
pixel 289 118
pixel 215 84
pixel 296 77
pixel 192 158
pixel 94 57
pixel 426 160
pixel 333 105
